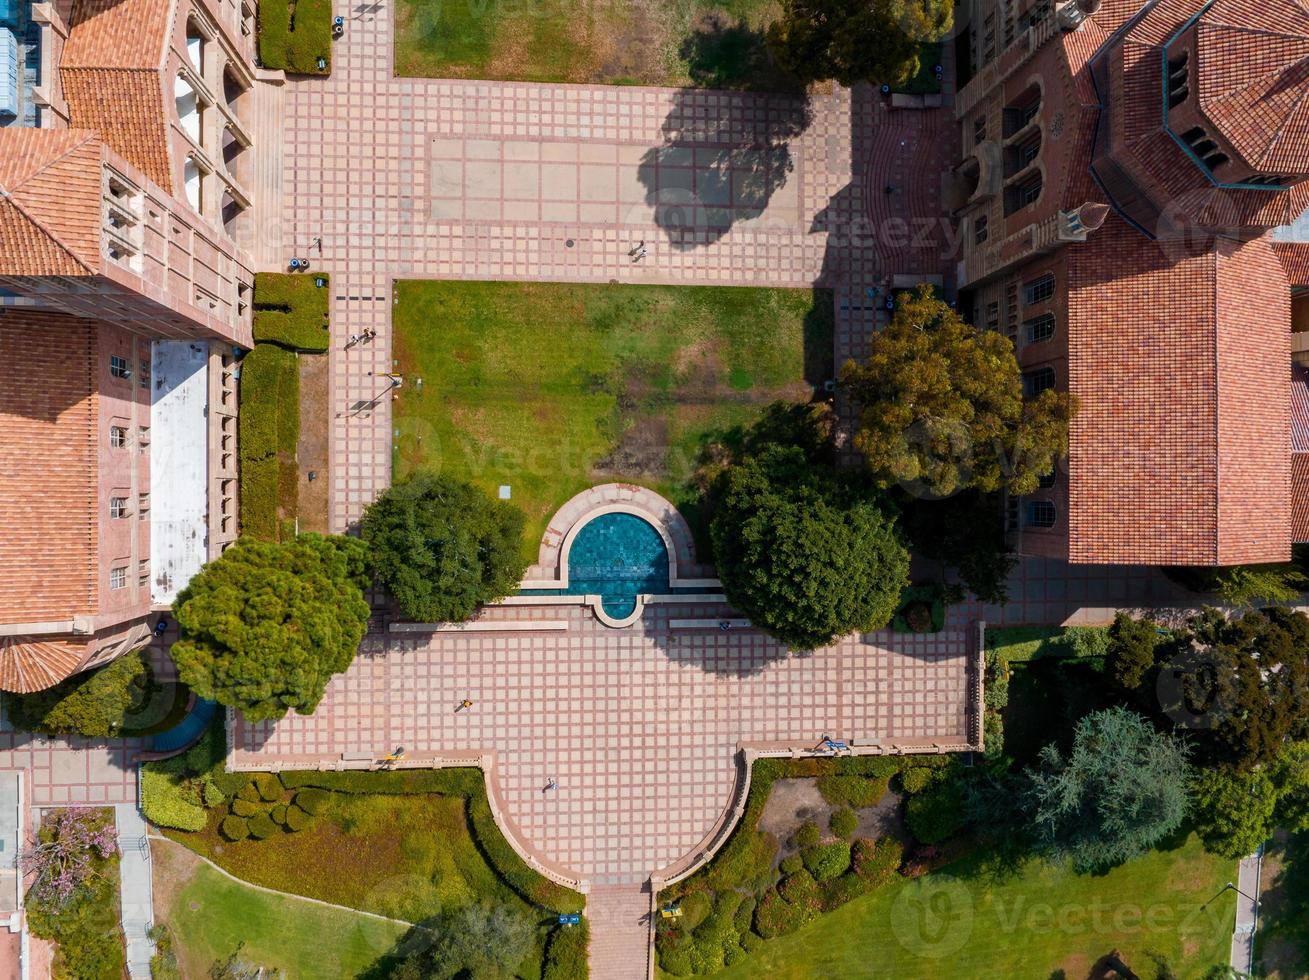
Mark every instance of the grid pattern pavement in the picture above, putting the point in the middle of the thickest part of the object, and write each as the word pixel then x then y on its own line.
pixel 639 727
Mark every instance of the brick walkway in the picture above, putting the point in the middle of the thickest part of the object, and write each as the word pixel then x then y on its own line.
pixel 620 919
pixel 639 727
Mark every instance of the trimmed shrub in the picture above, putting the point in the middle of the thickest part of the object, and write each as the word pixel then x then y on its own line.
pixel 93 703
pixel 696 907
pixel 744 914
pixel 268 785
pixel 752 942
pixel 843 822
pixel 565 956
pixel 312 801
pixel 799 887
pixel 278 813
pixel 936 813
pixel 234 828
pixel 916 780
pixel 745 861
pixel 297 819
pixel 827 861
pixel 841 890
pixel 249 792
pixel 791 864
pixel 1090 642
pixel 458 781
pixel 807 835
pixel 244 808
pixel 511 868
pixel 164 806
pixel 262 826
pixel 291 311
pixel 852 791
pixel 877 861
pixel 212 793
pixel 776 917
pixel 677 961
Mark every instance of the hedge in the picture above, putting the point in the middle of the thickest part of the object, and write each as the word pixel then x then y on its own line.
pixel 511 868
pixel 311 800
pixel 877 861
pixel 242 807
pixel 843 822
pixel 267 785
pixel 292 311
pixel 269 429
pixel 457 781
pixel 94 703
pixel 234 828
pixel 295 48
pixel 566 954
pixel 164 806
pixel 262 826
pixel 852 791
pixel 297 819
pixel 827 861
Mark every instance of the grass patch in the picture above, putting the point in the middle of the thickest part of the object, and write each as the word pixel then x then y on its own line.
pixel 553 387
pixel 1042 920
pixel 209 915
pixel 1022 643
pixel 675 42
pixel 269 429
pixel 294 34
pixel 1281 944
pixel 291 311
pixel 408 845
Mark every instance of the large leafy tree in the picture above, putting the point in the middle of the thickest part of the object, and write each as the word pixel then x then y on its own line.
pixel 806 555
pixel 442 547
pixel 942 407
pixel 1234 812
pixel 264 626
pixel 864 40
pixel 966 533
pixel 479 942
pixel 1121 789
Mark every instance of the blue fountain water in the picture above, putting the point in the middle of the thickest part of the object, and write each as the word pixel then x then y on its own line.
pixel 617 557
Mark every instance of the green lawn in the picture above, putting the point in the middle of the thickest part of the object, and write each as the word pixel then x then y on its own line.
pixel 1022 643
pixel 1282 940
pixel 674 42
pixel 211 914
pixel 1043 920
pixel 554 387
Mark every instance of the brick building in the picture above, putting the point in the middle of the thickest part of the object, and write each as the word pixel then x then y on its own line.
pixel 1123 166
pixel 125 283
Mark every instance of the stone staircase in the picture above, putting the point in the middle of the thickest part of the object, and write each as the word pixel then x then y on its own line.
pixel 622 932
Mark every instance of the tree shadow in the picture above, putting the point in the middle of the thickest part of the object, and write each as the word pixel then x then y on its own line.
pixel 725 153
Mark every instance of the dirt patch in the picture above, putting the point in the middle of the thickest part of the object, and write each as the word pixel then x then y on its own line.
pixel 172 865
pixel 642 450
pixel 793 802
pixel 311 450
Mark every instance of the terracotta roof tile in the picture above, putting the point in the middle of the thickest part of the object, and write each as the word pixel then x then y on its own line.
pixel 1299 409
pixel 117 34
pixel 1300 497
pixel 30 663
pixel 1295 261
pixel 49 467
pixel 126 107
pixel 26 249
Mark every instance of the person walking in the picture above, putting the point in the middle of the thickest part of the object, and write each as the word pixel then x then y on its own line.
pixel 465 704
pixel 640 253
pixel 640 246
pixel 354 339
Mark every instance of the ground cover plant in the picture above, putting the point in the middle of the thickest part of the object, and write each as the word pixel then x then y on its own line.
pixel 208 916
pixel 74 895
pixel 419 845
pixel 268 430
pixel 295 34
pixel 676 42
pixel 551 388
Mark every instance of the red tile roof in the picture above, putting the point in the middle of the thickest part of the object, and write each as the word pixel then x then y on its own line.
pixel 1179 452
pixel 1295 260
pixel 30 664
pixel 49 202
pixel 1299 409
pixel 111 70
pixel 1300 497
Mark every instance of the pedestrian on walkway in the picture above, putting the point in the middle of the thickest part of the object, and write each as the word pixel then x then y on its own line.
pixel 640 246
pixel 640 253
pixel 464 705
pixel 551 783
pixel 354 339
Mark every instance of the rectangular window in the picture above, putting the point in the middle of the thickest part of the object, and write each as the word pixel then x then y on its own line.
pixel 143 505
pixel 117 436
pixel 1037 381
pixel 1039 290
pixel 979 229
pixel 118 577
pixel 979 129
pixel 144 374
pixel 1047 481
pixel 117 506
pixel 1039 329
pixel 143 573
pixel 1040 513
pixel 118 367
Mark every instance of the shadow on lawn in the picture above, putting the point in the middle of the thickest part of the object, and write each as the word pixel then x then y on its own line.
pixel 719 165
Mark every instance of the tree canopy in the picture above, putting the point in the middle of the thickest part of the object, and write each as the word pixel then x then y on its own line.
pixel 264 626
pixel 96 703
pixel 873 40
pixel 480 942
pixel 966 533
pixel 1234 812
pixel 442 547
pixel 1122 789
pixel 942 407
pixel 806 555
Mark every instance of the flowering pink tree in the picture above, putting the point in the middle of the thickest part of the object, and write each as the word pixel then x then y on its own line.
pixel 65 858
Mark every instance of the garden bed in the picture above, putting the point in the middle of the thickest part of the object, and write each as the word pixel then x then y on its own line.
pixel 294 34
pixel 269 431
pixel 291 310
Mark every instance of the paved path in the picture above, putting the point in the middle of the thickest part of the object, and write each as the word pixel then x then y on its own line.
pixel 137 891
pixel 1247 912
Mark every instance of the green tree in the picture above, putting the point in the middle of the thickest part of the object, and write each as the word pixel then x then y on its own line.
pixel 942 407
pixel 442 547
pixel 806 555
pixel 264 626
pixel 872 40
pixel 94 703
pixel 1132 645
pixel 480 942
pixel 1122 788
pixel 1234 812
